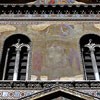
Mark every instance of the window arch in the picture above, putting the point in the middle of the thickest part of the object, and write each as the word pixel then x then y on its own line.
pixel 90 52
pixel 15 58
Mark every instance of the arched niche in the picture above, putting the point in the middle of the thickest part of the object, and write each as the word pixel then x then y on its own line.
pixel 90 52
pixel 16 52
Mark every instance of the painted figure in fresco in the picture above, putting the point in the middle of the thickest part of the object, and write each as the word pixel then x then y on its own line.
pixel 56 54
pixel 68 29
pixel 63 61
pixel 55 60
pixel 37 62
pixel 52 2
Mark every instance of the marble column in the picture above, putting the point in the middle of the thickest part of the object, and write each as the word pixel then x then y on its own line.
pixel 91 47
pixel 28 60
pixel 15 76
pixel 5 65
pixel 95 68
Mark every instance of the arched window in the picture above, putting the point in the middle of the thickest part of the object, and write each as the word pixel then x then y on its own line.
pixel 90 51
pixel 15 58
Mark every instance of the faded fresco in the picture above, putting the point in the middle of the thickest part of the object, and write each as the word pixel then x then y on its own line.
pixel 55 47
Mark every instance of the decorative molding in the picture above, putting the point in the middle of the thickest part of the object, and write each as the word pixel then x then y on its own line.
pixel 50 9
pixel 49 12
pixel 56 89
pixel 39 85
pixel 36 88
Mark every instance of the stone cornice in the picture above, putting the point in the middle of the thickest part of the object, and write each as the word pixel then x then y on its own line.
pixel 61 89
pixel 48 9
pixel 39 85
pixel 49 12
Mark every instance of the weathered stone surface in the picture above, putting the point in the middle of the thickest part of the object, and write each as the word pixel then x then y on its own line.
pixel 55 47
pixel 5 28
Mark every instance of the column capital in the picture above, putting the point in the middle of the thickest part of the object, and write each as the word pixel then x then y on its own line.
pixel 8 49
pixel 91 45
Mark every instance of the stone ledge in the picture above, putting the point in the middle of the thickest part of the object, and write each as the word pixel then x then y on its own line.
pixel 38 85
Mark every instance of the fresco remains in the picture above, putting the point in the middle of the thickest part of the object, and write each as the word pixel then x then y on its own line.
pixel 55 47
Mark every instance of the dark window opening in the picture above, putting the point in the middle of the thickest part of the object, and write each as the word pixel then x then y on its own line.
pixel 22 64
pixel 9 64
pixel 90 52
